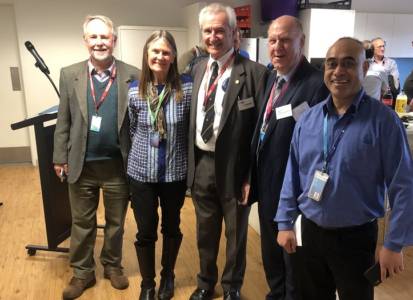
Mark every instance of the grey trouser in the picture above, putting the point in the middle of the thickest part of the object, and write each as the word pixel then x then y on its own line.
pixel 109 176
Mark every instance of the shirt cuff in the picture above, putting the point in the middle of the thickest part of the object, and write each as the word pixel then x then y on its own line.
pixel 283 226
pixel 393 246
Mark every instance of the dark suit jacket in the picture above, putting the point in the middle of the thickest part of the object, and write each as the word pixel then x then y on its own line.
pixel 70 137
pixel 232 150
pixel 270 160
pixel 408 86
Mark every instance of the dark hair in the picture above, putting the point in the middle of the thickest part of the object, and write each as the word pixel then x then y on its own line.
pixel 172 77
pixel 368 47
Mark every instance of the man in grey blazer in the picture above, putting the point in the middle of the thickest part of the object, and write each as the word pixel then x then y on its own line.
pixel 222 121
pixel 91 145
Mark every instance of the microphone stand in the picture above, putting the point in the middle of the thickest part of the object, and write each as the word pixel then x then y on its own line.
pixel 48 77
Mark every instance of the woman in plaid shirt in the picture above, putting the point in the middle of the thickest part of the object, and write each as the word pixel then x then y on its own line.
pixel 159 106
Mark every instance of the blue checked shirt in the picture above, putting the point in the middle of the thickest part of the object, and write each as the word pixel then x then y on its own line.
pixel 169 162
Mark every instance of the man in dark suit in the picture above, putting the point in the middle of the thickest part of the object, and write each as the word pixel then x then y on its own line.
pixel 91 145
pixel 222 121
pixel 292 87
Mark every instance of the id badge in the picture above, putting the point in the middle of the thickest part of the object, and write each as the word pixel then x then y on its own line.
pixel 262 132
pixel 154 136
pixel 317 186
pixel 95 123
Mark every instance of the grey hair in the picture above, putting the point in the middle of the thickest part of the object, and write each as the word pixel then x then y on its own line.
pixel 215 8
pixel 102 18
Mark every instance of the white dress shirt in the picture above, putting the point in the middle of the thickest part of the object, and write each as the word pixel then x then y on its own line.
pixel 223 83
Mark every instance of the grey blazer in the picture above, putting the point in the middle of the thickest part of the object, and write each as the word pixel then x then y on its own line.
pixel 232 148
pixel 70 137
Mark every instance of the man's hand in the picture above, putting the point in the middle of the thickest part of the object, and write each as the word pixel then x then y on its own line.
pixel 286 239
pixel 60 170
pixel 390 262
pixel 245 193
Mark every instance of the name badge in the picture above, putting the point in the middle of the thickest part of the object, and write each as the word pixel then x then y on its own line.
pixel 244 104
pixel 284 111
pixel 95 123
pixel 299 109
pixel 317 185
pixel 154 139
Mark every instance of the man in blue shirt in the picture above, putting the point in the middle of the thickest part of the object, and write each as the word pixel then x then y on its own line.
pixel 346 152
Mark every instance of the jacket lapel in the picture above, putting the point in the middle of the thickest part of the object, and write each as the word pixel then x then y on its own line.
pixel 270 83
pixel 123 79
pixel 286 99
pixel 80 85
pixel 199 75
pixel 236 82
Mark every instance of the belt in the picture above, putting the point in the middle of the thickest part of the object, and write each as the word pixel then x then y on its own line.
pixel 201 152
pixel 346 228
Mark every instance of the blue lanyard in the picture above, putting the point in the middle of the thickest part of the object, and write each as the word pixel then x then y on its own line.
pixel 328 153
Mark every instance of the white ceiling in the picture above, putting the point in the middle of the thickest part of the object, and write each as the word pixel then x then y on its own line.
pixel 377 6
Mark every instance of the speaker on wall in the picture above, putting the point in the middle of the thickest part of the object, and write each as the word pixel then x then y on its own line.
pixel 272 9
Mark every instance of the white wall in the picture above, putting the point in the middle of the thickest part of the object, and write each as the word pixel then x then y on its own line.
pixel 54 28
pixel 392 27
pixel 11 101
pixel 319 36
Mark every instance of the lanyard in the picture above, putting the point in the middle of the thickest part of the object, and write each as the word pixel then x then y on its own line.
pixel 154 114
pixel 105 92
pixel 270 103
pixel 328 153
pixel 215 83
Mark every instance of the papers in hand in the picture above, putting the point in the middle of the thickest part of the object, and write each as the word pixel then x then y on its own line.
pixel 297 231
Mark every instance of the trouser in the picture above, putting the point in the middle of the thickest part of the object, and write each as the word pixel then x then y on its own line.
pixel 278 265
pixel 335 259
pixel 109 176
pixel 145 201
pixel 211 210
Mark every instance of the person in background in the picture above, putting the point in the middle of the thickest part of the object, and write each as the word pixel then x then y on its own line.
pixel 408 89
pixel 376 82
pixel 159 106
pixel 237 45
pixel 387 64
pixel 222 121
pixel 189 59
pixel 91 145
pixel 294 84
pixel 346 153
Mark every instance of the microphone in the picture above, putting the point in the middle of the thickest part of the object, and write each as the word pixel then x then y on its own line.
pixel 39 61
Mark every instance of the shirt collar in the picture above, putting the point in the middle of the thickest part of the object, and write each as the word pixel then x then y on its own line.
pixel 222 60
pixel 290 74
pixel 107 72
pixel 383 62
pixel 328 106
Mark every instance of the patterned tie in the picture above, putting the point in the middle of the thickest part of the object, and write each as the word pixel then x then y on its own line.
pixel 207 127
pixel 280 84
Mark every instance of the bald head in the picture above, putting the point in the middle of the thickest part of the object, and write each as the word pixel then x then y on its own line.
pixel 290 23
pixel 345 67
pixel 285 43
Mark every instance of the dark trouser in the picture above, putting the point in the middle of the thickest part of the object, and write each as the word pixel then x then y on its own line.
pixel 109 176
pixel 278 265
pixel 335 259
pixel 145 201
pixel 210 210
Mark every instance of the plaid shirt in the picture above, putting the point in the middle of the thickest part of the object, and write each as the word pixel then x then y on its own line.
pixel 143 161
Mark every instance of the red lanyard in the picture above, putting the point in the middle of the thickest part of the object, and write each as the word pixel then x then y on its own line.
pixel 215 83
pixel 268 109
pixel 105 92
